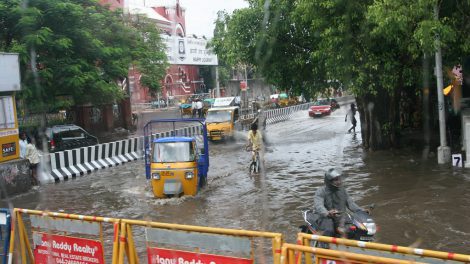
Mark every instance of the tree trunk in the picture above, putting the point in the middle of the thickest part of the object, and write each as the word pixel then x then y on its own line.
pixel 378 115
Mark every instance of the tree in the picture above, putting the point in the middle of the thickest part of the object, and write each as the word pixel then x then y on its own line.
pixel 373 48
pixel 73 52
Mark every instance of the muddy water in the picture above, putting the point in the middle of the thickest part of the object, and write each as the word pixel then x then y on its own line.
pixel 416 202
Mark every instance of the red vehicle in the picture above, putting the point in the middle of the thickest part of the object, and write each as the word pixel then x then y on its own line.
pixel 320 108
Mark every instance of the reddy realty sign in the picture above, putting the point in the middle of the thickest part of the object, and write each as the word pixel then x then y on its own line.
pixel 62 249
pixel 169 256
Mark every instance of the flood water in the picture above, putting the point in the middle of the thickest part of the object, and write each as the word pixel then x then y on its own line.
pixel 417 202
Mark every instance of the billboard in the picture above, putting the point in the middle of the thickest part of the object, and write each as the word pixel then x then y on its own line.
pixel 163 255
pixel 8 129
pixel 9 72
pixel 49 248
pixel 188 51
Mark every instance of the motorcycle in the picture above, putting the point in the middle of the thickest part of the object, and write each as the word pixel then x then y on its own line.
pixel 357 226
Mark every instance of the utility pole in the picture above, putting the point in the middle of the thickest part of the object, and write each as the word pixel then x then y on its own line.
pixel 217 87
pixel 443 151
pixel 246 93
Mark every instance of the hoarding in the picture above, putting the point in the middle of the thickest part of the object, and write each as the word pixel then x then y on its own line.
pixel 161 255
pixel 188 51
pixel 8 129
pixel 9 72
pixel 50 248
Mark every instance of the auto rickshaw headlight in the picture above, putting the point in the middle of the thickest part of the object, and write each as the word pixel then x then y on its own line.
pixel 156 175
pixel 189 175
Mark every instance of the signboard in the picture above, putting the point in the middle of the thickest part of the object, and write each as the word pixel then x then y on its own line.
pixel 188 51
pixel 8 128
pixel 8 149
pixel 243 86
pixel 322 260
pixel 9 72
pixel 223 101
pixel 62 249
pixel 160 255
pixel 7 112
pixel 457 160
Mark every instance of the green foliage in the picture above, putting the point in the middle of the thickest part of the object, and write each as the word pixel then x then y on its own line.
pixel 373 48
pixel 77 50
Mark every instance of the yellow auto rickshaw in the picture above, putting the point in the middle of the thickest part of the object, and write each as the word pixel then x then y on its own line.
pixel 176 165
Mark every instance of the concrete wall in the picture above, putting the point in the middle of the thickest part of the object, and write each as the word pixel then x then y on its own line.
pixel 257 87
pixel 15 177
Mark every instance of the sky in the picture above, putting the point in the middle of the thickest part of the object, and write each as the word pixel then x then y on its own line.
pixel 201 14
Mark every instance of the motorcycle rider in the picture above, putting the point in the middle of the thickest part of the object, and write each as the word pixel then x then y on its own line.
pixel 329 201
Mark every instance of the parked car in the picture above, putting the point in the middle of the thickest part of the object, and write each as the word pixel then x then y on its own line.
pixel 64 137
pixel 320 108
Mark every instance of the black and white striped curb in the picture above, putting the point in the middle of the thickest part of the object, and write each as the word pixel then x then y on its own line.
pixel 69 164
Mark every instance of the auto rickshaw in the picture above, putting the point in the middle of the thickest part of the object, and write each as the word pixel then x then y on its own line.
pixel 178 164
pixel 283 100
pixel 186 110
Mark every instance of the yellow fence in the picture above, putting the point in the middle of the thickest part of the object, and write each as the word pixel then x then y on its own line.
pixel 51 236
pixel 48 237
pixel 383 250
pixel 202 237
pixel 324 256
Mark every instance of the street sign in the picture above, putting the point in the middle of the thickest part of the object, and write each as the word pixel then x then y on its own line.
pixel 243 86
pixel 457 160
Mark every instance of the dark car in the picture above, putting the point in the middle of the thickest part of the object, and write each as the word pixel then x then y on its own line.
pixel 64 137
pixel 334 104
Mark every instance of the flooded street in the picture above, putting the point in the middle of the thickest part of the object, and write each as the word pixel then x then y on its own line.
pixel 417 202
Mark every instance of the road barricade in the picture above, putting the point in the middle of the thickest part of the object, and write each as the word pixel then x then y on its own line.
pixel 5 224
pixel 328 256
pixel 60 238
pixel 174 243
pixel 381 250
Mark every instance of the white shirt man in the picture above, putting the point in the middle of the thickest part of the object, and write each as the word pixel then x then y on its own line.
pixel 199 105
pixel 23 144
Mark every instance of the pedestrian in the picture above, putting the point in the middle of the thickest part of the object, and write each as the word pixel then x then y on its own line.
pixel 135 118
pixel 194 107
pixel 23 144
pixel 199 107
pixel 32 155
pixel 352 116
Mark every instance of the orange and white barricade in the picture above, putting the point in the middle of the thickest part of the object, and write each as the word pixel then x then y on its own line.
pixel 380 250
pixel 329 256
pixel 61 238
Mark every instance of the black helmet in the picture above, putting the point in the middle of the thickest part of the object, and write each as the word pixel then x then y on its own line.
pixel 330 176
pixel 254 126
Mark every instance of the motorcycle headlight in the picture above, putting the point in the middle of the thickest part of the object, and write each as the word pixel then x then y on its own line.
pixel 371 228
pixel 156 175
pixel 189 175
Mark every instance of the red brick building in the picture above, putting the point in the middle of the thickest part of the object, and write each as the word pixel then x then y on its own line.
pixel 169 16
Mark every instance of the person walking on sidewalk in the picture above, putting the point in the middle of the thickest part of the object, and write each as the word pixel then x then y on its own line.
pixel 32 155
pixel 194 107
pixel 352 116
pixel 199 107
pixel 23 143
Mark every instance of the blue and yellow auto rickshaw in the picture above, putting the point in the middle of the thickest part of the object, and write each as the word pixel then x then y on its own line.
pixel 177 164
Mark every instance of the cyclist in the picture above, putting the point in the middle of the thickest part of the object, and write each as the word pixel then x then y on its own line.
pixel 254 139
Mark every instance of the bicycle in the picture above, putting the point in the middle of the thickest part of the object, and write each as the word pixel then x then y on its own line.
pixel 255 161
